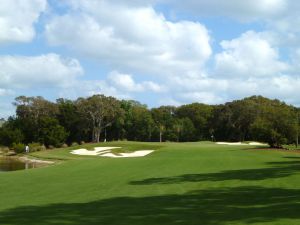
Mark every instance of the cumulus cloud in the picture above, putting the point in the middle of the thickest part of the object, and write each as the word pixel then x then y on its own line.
pixel 50 70
pixel 5 92
pixel 219 90
pixel 84 88
pixel 249 55
pixel 120 85
pixel 246 10
pixel 133 36
pixel 281 87
pixel 17 18
pixel 125 82
pixel 136 38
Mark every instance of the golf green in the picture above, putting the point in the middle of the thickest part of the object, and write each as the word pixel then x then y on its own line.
pixel 179 184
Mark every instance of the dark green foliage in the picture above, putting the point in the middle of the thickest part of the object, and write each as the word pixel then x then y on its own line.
pixel 8 136
pixel 18 147
pixel 200 116
pixel 141 125
pixel 69 117
pixel 100 112
pixel 275 124
pixel 188 131
pixel 51 133
pixel 164 118
pixel 100 118
pixel 256 118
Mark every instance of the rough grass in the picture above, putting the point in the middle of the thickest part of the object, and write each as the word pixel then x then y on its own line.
pixel 184 184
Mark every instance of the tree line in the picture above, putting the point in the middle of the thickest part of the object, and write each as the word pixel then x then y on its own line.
pixel 98 118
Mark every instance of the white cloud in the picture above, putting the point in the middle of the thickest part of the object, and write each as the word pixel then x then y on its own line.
pixel 207 97
pixel 246 10
pixel 5 92
pixel 86 88
pixel 116 84
pixel 154 87
pixel 136 38
pixel 219 90
pixel 250 55
pixel 281 87
pixel 131 36
pixel 125 82
pixel 17 18
pixel 49 70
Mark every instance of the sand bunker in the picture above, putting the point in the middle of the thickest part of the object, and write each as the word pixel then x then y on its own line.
pixel 97 151
pixel 256 143
pixel 140 153
pixel 106 152
pixel 239 143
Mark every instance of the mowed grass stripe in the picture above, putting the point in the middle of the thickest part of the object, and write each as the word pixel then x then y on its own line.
pixel 186 183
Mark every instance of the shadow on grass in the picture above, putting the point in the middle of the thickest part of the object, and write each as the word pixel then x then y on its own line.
pixel 218 206
pixel 279 169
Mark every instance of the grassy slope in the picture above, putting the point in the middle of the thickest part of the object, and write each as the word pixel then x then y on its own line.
pixel 184 184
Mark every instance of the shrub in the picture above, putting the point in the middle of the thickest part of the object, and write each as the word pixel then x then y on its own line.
pixel 18 147
pixel 51 133
pixel 9 136
pixel 64 145
pixel 74 144
pixel 34 147
pixel 82 142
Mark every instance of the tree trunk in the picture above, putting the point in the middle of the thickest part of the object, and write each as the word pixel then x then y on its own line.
pixel 160 136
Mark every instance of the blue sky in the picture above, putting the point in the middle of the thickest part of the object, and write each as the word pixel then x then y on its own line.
pixel 159 52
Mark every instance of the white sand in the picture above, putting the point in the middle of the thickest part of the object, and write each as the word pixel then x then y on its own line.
pixel 97 151
pixel 230 143
pixel 106 152
pixel 256 143
pixel 239 143
pixel 140 153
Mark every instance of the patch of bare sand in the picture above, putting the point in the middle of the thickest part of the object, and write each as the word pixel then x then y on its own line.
pixel 106 152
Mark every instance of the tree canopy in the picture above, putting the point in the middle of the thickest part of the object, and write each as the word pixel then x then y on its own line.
pixel 100 117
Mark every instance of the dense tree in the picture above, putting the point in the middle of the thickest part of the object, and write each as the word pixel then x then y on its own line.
pixel 200 115
pixel 85 119
pixel 141 125
pixel 8 136
pixel 232 121
pixel 164 120
pixel 29 111
pixel 101 112
pixel 50 132
pixel 69 117
pixel 275 124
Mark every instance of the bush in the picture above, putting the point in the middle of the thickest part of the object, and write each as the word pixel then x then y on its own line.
pixel 18 147
pixel 34 147
pixel 64 145
pixel 51 133
pixel 74 144
pixel 82 142
pixel 9 136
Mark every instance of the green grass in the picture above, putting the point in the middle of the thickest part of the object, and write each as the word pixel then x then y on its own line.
pixel 180 184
